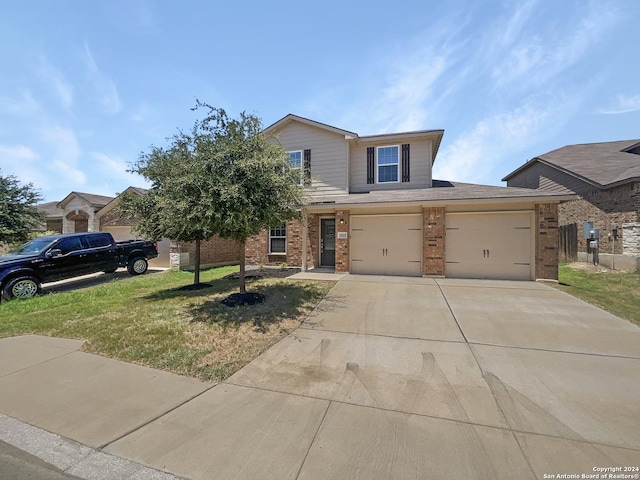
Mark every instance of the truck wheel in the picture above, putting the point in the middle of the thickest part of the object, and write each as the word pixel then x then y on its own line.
pixel 137 266
pixel 22 288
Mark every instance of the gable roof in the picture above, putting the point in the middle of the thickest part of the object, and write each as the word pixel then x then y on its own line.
pixel 437 134
pixel 96 201
pixel 109 206
pixel 603 165
pixel 291 117
pixel 50 210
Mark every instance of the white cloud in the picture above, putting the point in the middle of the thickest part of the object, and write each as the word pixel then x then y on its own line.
pixel 64 153
pixel 57 81
pixel 69 174
pixel 113 166
pixel 16 154
pixel 623 104
pixel 406 86
pixel 142 113
pixel 21 161
pixel 409 92
pixel 23 104
pixel 535 55
pixel 104 87
pixel 63 143
pixel 471 156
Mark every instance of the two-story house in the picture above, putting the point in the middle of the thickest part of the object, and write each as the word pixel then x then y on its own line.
pixel 375 209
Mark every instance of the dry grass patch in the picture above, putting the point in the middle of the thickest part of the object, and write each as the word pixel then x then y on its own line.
pixel 147 320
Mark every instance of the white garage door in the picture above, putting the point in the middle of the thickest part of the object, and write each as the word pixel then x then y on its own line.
pixel 121 234
pixel 386 244
pixel 489 245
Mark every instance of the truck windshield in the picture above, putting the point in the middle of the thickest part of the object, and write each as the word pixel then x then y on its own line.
pixel 33 247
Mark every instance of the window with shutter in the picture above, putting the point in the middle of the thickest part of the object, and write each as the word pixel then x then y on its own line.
pixel 295 160
pixel 307 164
pixel 387 164
pixel 371 165
pixel 406 166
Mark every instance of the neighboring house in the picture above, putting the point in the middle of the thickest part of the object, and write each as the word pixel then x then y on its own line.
pixel 375 209
pixel 606 176
pixel 82 212
pixel 53 217
pixel 75 213
pixel 215 251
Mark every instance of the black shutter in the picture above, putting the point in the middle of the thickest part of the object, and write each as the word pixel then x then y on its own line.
pixel 307 164
pixel 371 178
pixel 406 167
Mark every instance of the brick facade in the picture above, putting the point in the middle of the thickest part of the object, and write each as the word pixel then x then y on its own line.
pixel 604 207
pixel 257 247
pixel 342 244
pixel 546 256
pixel 214 251
pixel 313 241
pixel 433 252
pixel 433 232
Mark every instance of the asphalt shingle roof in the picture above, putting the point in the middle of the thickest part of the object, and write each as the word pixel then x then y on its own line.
pixel 442 191
pixel 603 164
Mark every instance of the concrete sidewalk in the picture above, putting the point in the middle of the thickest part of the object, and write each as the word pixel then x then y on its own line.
pixel 389 377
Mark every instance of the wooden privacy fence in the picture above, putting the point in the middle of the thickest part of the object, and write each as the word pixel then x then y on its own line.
pixel 568 239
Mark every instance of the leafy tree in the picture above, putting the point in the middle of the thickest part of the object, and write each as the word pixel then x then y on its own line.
pixel 18 213
pixel 225 177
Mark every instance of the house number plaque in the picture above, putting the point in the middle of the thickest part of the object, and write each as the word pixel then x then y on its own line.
pixel 342 235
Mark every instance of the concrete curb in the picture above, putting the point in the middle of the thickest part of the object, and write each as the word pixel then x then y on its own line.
pixel 72 457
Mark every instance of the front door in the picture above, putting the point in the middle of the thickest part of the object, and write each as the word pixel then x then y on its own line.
pixel 327 242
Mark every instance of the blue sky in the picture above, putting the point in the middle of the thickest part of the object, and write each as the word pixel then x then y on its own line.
pixel 85 86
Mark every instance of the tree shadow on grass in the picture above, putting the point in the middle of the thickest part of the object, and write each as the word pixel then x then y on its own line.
pixel 185 291
pixel 283 300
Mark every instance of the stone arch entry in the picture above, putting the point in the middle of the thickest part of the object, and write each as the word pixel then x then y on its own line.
pixel 80 218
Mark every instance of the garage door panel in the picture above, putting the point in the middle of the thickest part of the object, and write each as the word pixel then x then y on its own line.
pixel 497 245
pixel 386 245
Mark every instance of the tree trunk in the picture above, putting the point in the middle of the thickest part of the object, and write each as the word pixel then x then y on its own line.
pixel 243 287
pixel 196 277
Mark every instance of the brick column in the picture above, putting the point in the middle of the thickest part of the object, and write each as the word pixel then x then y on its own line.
pixel 342 244
pixel 433 231
pixel 313 237
pixel 547 241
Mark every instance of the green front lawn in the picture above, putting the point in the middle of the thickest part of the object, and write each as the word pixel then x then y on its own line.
pixel 616 292
pixel 145 320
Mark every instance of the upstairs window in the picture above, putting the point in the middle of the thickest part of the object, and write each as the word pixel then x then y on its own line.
pixel 295 160
pixel 278 239
pixel 387 164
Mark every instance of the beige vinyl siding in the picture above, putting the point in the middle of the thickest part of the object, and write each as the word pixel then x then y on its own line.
pixel 329 153
pixel 420 161
pixel 541 176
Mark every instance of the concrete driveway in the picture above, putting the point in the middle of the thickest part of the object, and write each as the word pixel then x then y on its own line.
pixel 389 378
pixel 419 378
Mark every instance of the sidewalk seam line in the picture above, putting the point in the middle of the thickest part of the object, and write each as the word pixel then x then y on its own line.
pixel 100 448
pixel 303 327
pixel 313 440
pixel 40 363
pixel 533 349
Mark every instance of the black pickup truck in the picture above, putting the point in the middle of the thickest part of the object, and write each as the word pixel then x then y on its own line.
pixel 57 257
